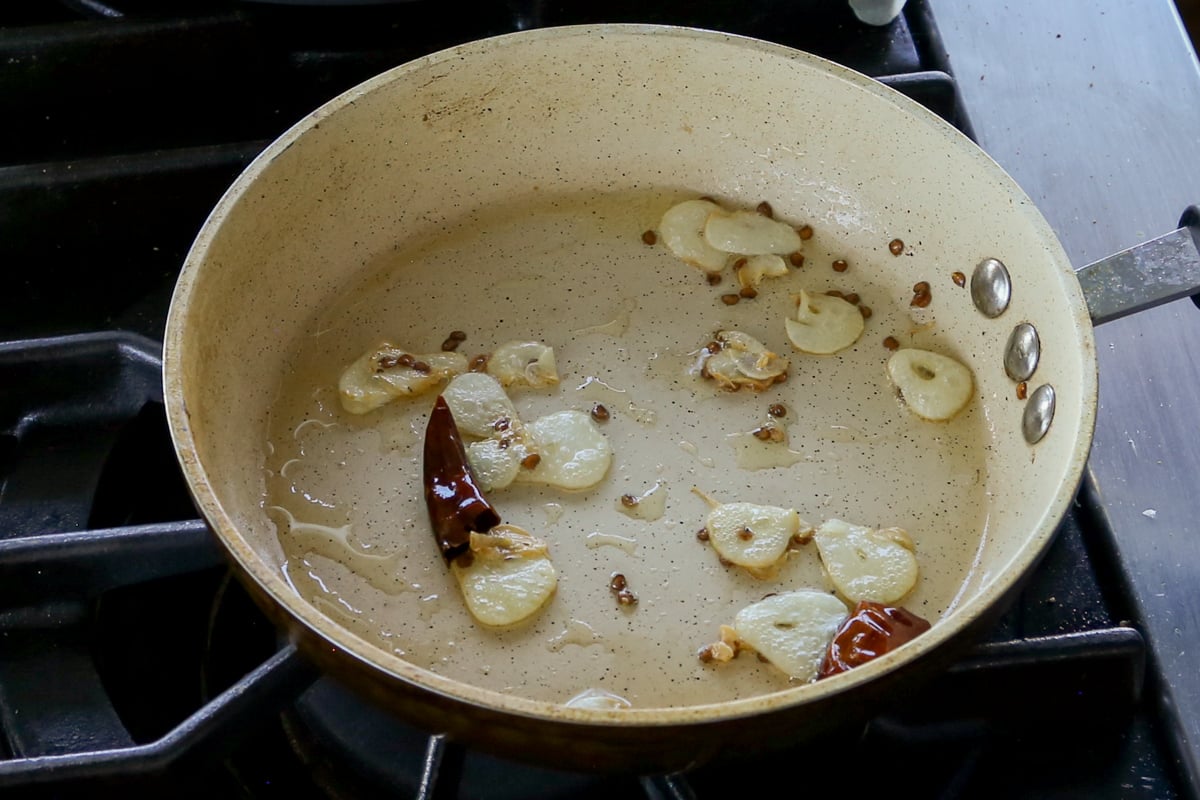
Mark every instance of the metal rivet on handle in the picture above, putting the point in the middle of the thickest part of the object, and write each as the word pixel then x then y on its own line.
pixel 1039 413
pixel 991 288
pixel 1022 352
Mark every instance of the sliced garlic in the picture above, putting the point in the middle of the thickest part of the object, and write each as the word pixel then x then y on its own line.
pixel 792 630
pixel 865 563
pixel 682 231
pixel 824 324
pixel 934 386
pixel 360 389
pixel 753 536
pixel 387 372
pixel 495 462
pixel 741 360
pixel 409 381
pixel 572 451
pixel 506 576
pixel 598 699
pixel 753 359
pixel 749 233
pixel 523 364
pixel 648 506
pixel 482 410
pixel 480 406
pixel 751 272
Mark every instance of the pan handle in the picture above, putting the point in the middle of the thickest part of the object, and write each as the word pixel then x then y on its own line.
pixel 1145 275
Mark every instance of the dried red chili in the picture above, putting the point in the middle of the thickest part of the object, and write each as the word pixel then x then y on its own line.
pixel 872 630
pixel 455 502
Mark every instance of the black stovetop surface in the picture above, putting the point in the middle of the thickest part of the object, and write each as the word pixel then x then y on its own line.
pixel 129 659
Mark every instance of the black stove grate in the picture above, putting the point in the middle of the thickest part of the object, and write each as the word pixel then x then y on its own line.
pixel 130 660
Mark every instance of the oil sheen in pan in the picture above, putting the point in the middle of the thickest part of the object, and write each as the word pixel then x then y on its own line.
pixel 626 321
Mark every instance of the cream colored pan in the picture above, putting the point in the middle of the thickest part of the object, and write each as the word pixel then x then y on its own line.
pixel 502 189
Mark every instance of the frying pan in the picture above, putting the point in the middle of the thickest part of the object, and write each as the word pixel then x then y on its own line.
pixel 501 188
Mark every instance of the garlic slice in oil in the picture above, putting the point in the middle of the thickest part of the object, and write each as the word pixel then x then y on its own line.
pixel 523 364
pixel 792 630
pixel 866 563
pixel 506 576
pixel 572 451
pixel 682 231
pixel 750 233
pixel 934 386
pixel 387 372
pixel 739 360
pixel 824 324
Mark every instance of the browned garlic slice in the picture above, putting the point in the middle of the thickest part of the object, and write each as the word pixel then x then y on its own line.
pixel 792 630
pixel 506 576
pixel 523 364
pixel 824 324
pixel 749 233
pixel 934 386
pixel 682 231
pixel 865 563
pixel 741 360
pixel 387 372
pixel 753 269
pixel 572 451
pixel 753 536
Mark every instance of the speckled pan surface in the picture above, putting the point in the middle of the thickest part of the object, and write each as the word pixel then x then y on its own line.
pixel 501 188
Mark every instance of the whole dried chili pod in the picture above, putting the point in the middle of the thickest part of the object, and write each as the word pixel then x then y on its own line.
pixel 455 502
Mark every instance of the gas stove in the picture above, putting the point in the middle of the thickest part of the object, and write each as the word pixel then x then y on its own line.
pixel 129 658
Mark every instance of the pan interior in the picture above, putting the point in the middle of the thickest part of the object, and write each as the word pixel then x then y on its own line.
pixel 502 189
